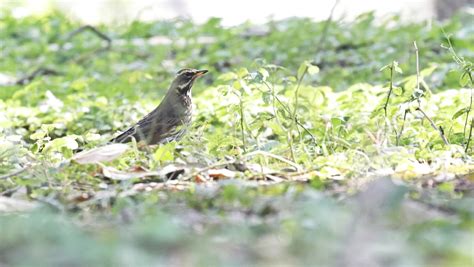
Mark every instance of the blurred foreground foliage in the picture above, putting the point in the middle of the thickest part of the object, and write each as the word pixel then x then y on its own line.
pixel 290 124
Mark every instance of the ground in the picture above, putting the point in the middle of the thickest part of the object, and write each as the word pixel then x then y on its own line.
pixel 326 143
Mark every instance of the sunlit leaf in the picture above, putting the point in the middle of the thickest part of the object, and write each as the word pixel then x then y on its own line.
pixel 165 152
pixel 66 142
pixel 312 69
pixel 397 67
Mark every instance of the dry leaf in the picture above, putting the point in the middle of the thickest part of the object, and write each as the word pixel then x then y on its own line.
pixel 100 154
pixel 199 179
pixel 274 178
pixel 172 171
pixel 115 174
pixel 257 168
pixel 220 173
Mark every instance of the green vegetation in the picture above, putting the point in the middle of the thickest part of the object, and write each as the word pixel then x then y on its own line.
pixel 290 125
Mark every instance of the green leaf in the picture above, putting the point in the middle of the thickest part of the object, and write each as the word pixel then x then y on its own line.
pixel 165 152
pixel 447 187
pixel 47 127
pixel 237 85
pixel 398 91
pixel 388 66
pixel 245 87
pixel 410 82
pixel 264 73
pixel 394 65
pixel 428 71
pixel 242 72
pixel 266 97
pixel 302 70
pixel 312 69
pixel 464 79
pixel 460 112
pixel 229 76
pixel 39 134
pixel 397 68
pixel 58 143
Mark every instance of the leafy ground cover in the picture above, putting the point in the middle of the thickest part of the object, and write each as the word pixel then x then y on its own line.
pixel 333 143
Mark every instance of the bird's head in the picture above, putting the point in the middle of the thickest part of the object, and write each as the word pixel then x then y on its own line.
pixel 185 78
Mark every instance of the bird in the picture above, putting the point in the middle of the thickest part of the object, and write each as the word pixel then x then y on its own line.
pixel 170 119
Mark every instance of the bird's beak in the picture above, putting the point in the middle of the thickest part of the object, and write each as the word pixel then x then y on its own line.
pixel 200 73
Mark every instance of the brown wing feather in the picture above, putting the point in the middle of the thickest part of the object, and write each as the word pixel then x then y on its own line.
pixel 163 124
pixel 139 131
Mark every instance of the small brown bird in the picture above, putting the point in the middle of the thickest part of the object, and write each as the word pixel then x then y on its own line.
pixel 170 119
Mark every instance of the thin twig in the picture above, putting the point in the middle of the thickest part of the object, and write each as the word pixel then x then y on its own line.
pixel 41 71
pixel 470 135
pixel 351 46
pixel 324 33
pixel 242 122
pixel 438 129
pixel 245 156
pixel 275 97
pixel 385 106
pixel 209 167
pixel 93 30
pixel 467 69
pixel 6 176
pixel 293 116
pixel 417 71
pixel 306 130
pixel 270 155
pixel 10 191
pixel 399 136
pixel 468 111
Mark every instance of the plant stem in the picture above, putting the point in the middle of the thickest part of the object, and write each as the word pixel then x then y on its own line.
pixel 439 129
pixel 324 33
pixel 389 90
pixel 399 136
pixel 417 71
pixel 293 116
pixel 467 69
pixel 470 135
pixel 6 176
pixel 468 112
pixel 242 122
pixel 295 108
pixel 275 97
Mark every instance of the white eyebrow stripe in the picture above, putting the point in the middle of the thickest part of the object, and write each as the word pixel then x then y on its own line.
pixel 185 71
pixel 182 86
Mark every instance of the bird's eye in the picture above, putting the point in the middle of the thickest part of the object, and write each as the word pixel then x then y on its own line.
pixel 189 75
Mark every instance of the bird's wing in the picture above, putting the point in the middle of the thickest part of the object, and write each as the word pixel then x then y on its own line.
pixel 159 124
pixel 126 136
pixel 144 129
